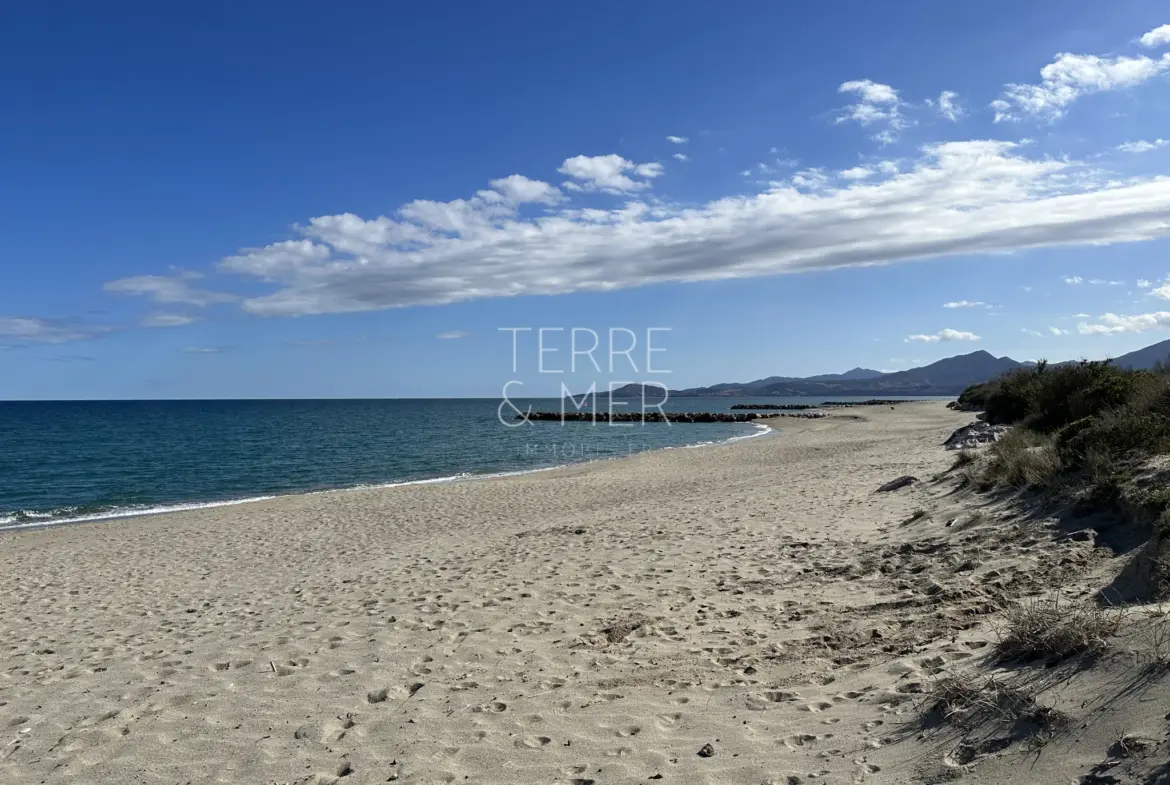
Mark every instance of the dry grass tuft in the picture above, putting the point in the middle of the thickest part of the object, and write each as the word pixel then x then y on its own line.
pixel 965 458
pixel 1052 630
pixel 918 515
pixel 969 703
pixel 1023 459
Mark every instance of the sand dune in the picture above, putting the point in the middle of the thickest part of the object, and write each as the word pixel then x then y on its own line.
pixel 751 613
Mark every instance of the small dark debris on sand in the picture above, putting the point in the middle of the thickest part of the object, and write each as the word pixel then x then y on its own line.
pixel 901 482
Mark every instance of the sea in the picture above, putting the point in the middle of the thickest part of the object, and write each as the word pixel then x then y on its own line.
pixel 73 461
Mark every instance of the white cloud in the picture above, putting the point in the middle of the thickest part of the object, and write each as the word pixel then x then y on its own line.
pixel 947 106
pixel 868 171
pixel 870 92
pixel 1077 280
pixel 607 173
pixel 518 189
pixel 1162 291
pixel 1143 283
pixel 174 288
pixel 23 331
pixel 966 304
pixel 1034 333
pixel 1142 146
pixel 453 335
pixel 1159 36
pixel 1081 316
pixel 677 139
pixel 1111 323
pixel 876 103
pixel 943 335
pixel 856 173
pixel 1057 331
pixel 810 179
pixel 168 320
pixel 681 157
pixel 957 198
pixel 203 349
pixel 1069 77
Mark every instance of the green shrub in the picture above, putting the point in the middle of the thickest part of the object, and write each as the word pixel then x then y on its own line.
pixel 1009 399
pixel 976 395
pixel 1047 398
pixel 1116 435
pixel 1157 499
pixel 1090 418
pixel 1086 389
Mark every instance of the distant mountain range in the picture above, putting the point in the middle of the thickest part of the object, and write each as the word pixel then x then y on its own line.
pixel 945 377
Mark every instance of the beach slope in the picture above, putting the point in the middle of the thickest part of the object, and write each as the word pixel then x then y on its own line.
pixel 749 613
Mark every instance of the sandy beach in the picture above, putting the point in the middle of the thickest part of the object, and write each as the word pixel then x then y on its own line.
pixel 741 614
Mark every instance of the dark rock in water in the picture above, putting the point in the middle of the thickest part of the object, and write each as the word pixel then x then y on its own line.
pixel 706 751
pixel 901 482
pixel 975 434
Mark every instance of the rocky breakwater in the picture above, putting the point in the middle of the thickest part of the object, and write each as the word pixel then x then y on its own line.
pixel 656 416
pixel 795 407
pixel 822 405
pixel 870 402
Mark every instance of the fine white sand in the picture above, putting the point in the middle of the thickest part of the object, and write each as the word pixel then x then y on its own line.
pixel 596 624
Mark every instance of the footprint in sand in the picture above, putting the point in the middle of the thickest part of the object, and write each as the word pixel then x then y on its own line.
pixel 767 700
pixel 817 706
pixel 533 742
pixel 495 707
pixel 800 740
pixel 667 721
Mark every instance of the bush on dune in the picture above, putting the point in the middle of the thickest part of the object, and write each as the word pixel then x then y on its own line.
pixel 1091 419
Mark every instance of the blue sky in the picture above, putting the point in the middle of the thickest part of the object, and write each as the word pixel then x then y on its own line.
pixel 308 199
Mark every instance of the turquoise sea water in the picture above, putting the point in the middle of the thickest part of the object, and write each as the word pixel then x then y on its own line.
pixel 69 461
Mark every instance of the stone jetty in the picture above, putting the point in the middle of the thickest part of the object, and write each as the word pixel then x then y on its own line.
pixel 656 416
pixel 870 402
pixel 824 405
pixel 794 407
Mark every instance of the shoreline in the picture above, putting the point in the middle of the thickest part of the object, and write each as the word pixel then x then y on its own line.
pixel 9 527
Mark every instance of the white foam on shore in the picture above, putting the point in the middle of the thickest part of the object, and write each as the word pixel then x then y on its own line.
pixel 9 522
